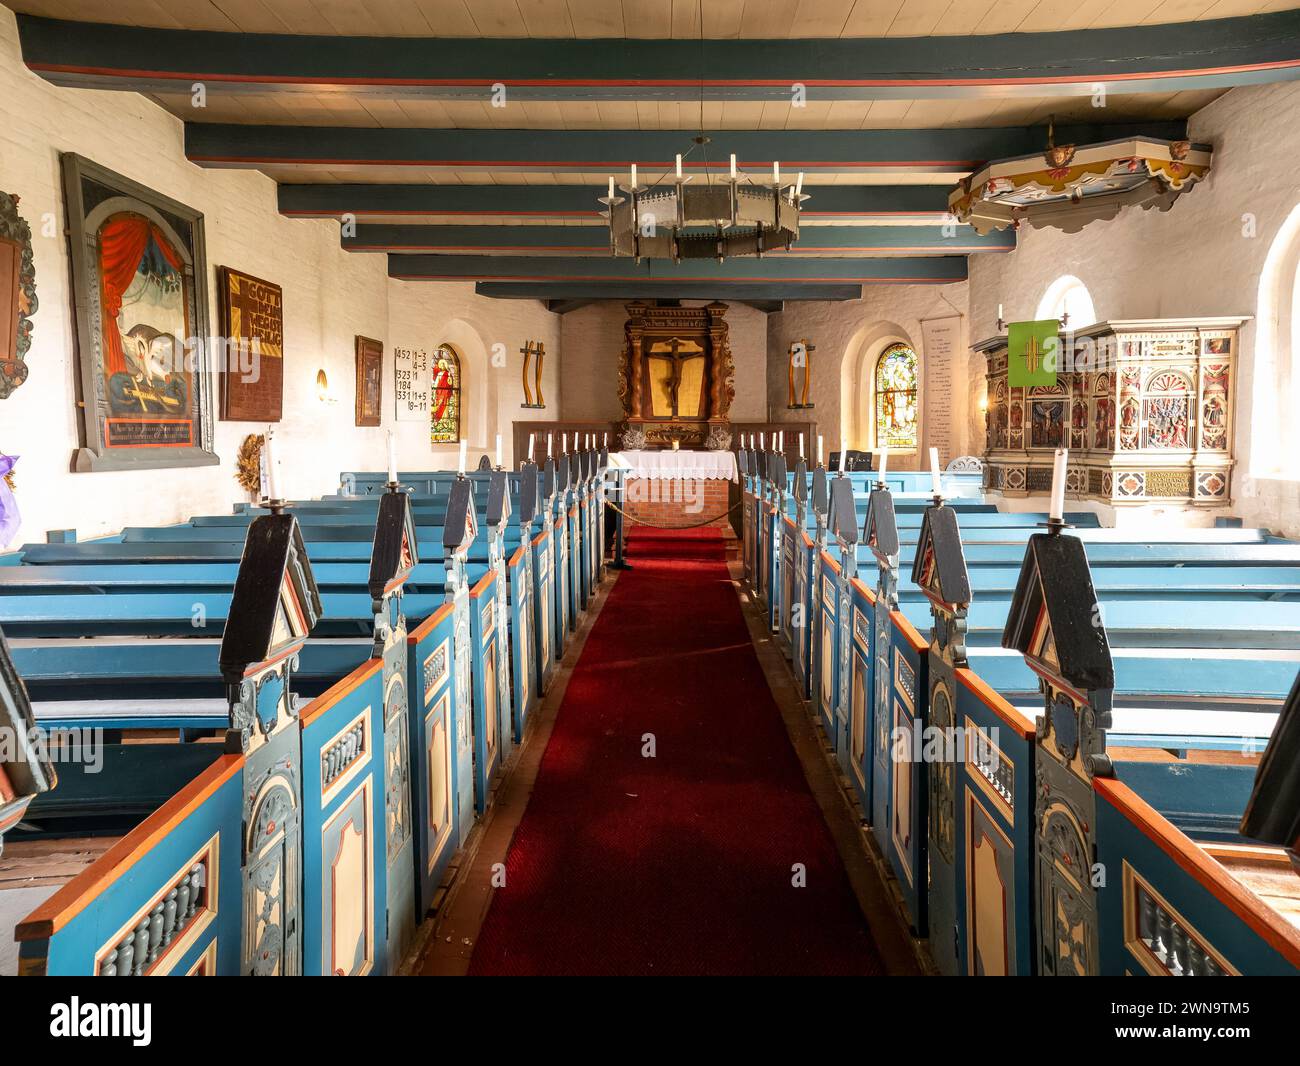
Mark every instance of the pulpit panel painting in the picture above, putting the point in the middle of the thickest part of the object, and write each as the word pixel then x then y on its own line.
pixel 138 273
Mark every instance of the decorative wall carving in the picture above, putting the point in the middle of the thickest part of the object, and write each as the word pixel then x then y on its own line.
pixel 17 294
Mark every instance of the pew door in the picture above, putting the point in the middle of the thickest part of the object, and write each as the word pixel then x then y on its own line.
pixel 272 926
pixel 942 772
pixel 397 801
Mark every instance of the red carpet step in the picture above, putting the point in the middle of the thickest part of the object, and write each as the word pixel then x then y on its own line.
pixel 682 863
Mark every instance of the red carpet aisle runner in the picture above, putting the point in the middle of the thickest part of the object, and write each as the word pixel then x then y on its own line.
pixel 680 864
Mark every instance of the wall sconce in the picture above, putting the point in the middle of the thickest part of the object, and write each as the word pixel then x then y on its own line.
pixel 984 404
pixel 530 349
pixel 801 365
pixel 323 388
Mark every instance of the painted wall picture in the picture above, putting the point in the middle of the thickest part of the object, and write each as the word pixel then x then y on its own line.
pixel 17 295
pixel 370 381
pixel 251 320
pixel 138 272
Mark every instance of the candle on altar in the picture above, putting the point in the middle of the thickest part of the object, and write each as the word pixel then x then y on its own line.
pixel 676 444
pixel 392 458
pixel 272 474
pixel 934 472
pixel 464 450
pixel 1057 510
pixel 498 451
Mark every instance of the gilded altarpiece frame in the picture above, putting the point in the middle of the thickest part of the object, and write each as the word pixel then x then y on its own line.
pixel 675 375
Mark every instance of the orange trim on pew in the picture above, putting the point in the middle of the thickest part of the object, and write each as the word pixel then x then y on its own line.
pixel 830 562
pixel 75 896
pixel 338 690
pixel 869 593
pixel 995 702
pixel 483 584
pixel 518 555
pixel 429 624
pixel 1271 926
pixel 807 540
pixel 909 632
pixel 541 537
pixel 790 522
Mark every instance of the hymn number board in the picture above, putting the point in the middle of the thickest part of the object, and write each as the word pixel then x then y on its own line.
pixel 252 321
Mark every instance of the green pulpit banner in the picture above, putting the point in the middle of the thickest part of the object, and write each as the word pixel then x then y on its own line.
pixel 1033 352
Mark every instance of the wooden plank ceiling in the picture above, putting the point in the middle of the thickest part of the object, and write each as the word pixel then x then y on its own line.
pixel 367 131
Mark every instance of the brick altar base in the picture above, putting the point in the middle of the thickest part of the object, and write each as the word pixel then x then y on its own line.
pixel 678 504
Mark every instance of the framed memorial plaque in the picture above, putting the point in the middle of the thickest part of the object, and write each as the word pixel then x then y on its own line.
pixel 250 315
pixel 17 295
pixel 370 380
pixel 140 301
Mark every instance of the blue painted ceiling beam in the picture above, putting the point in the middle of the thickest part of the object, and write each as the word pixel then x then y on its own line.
pixel 594 240
pixel 879 204
pixel 668 277
pixel 613 151
pixel 1152 58
pixel 564 292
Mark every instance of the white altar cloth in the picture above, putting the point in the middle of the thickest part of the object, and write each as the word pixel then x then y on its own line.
pixel 668 465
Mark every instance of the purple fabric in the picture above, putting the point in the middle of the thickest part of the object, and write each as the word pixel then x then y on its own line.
pixel 9 516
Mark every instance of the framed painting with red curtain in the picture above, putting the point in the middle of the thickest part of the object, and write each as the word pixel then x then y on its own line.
pixel 139 274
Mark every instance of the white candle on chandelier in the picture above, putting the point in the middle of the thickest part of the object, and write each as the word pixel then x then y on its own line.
pixel 532 442
pixel 611 189
pixel 884 464
pixel 776 172
pixel 733 166
pixel 820 441
pixel 633 175
pixel 272 474
pixel 1057 510
pixel 498 449
pixel 934 472
pixel 679 166
pixel 464 450
pixel 392 458
pixel 798 185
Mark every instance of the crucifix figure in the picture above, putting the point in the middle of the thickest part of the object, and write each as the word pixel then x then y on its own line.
pixel 675 378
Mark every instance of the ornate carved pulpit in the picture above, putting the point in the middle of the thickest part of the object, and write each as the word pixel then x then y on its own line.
pixel 675 373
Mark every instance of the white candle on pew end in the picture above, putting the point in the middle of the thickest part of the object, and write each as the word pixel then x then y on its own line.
pixel 762 442
pixel 532 442
pixel 564 444
pixel 934 472
pixel 499 452
pixel 802 453
pixel 605 443
pixel 272 471
pixel 392 458
pixel 820 441
pixel 1057 510
pixel 464 449
pixel 884 464
pixel 780 441
pixel 550 445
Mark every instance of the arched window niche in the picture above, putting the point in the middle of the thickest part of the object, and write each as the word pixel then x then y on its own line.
pixel 1067 295
pixel 445 399
pixel 894 401
pixel 1274 435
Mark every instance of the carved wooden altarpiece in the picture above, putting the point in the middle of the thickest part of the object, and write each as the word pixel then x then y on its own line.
pixel 675 373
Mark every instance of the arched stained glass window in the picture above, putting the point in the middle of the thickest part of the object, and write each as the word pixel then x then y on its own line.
pixel 896 398
pixel 445 399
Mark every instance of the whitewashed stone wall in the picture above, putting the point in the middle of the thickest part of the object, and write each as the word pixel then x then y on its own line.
pixel 330 296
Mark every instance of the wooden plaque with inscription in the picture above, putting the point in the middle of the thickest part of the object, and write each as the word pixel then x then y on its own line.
pixel 251 319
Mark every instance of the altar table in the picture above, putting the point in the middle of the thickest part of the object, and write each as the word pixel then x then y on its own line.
pixel 668 465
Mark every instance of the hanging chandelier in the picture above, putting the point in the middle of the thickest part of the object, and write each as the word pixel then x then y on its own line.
pixel 675 219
